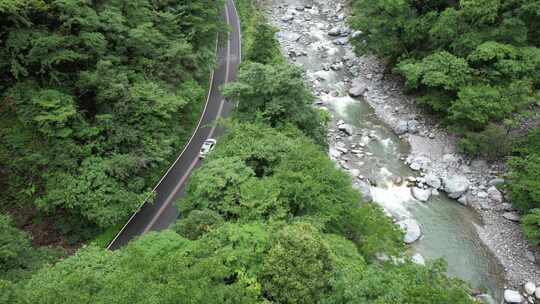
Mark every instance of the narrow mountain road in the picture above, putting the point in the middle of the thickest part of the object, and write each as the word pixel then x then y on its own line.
pixel 162 212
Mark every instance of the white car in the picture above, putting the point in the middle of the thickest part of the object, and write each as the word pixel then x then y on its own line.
pixel 207 147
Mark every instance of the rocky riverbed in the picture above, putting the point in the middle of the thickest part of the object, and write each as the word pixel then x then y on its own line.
pixel 314 35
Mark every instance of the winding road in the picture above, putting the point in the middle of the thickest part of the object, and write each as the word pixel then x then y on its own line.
pixel 160 213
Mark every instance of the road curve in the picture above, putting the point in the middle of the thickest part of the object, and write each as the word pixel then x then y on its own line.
pixel 162 212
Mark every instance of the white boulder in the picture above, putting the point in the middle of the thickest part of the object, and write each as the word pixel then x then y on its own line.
pixel 401 127
pixel 512 296
pixel 358 90
pixel 494 195
pixel 529 288
pixel 418 259
pixel 336 31
pixel 347 129
pixel 422 195
pixel 455 186
pixel 412 126
pixel 433 181
pixel 463 200
pixel 537 292
pixel 412 230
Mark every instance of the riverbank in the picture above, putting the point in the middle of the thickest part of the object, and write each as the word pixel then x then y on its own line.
pixel 431 151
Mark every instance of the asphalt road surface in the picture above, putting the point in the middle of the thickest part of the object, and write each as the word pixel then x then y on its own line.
pixel 162 212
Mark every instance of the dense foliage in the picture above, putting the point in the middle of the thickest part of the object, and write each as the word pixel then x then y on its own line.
pixel 263 223
pixel 525 184
pixel 267 218
pixel 472 62
pixel 276 94
pixel 95 99
pixel 476 64
pixel 17 257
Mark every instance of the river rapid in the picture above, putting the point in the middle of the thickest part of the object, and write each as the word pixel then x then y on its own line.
pixel 384 165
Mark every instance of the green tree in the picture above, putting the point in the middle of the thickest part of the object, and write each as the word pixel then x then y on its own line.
pixel 439 70
pixel 18 259
pixel 198 223
pixel 276 94
pixel 265 48
pixel 479 105
pixel 492 143
pixel 525 181
pixel 531 226
pixel 14 245
pixel 298 267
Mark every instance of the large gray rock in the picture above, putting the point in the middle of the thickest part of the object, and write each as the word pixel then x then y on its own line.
pixel 494 195
pixel 412 230
pixel 422 195
pixel 347 129
pixel 496 182
pixel 412 126
pixel 401 127
pixel 358 90
pixel 512 296
pixel 335 32
pixel 464 200
pixel 511 216
pixel 365 190
pixel 455 186
pixel 433 181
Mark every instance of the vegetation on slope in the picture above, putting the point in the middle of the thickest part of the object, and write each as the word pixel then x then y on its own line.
pixel 95 99
pixel 474 63
pixel 268 218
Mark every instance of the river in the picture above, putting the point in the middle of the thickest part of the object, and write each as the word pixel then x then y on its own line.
pixel 449 229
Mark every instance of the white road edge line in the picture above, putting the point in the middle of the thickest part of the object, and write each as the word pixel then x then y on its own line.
pixel 238 25
pixel 188 172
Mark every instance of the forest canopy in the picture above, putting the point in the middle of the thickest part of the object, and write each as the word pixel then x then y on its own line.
pixel 475 64
pixel 266 218
pixel 96 97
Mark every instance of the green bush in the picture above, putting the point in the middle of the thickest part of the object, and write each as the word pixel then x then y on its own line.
pixel 531 226
pixel 524 187
pixel 492 143
pixel 277 95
